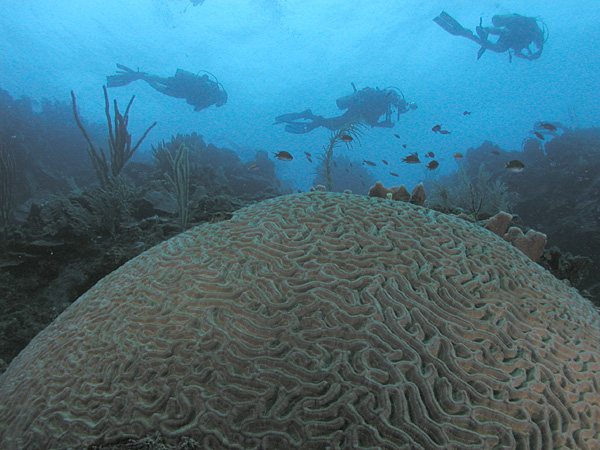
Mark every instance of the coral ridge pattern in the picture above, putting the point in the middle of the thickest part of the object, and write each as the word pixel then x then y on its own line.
pixel 317 321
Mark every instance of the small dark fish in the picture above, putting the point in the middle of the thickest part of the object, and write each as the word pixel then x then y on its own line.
pixel 253 167
pixel 467 113
pixel 514 166
pixel 436 128
pixel 429 155
pixel 495 152
pixel 398 136
pixel 309 159
pixel 384 161
pixel 413 158
pixel 347 170
pixel 444 132
pixel 539 135
pixel 432 165
pixel 546 126
pixel 346 138
pixel 394 174
pixel 458 156
pixel 350 164
pixel 283 156
pixel 308 155
pixel 404 145
pixel 334 164
pixel 370 163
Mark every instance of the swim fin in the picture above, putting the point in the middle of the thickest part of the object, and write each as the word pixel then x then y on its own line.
pixel 451 25
pixel 124 77
pixel 291 117
pixel 300 127
pixel 125 68
pixel 480 52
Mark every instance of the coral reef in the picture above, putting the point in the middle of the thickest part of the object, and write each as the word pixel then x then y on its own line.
pixel 351 132
pixel 119 141
pixel 8 185
pixel 557 194
pixel 317 320
pixel 400 193
pixel 347 174
pixel 46 146
pixel 219 170
pixel 480 197
pixel 531 243
pixel 498 224
pixel 565 266
pixel 417 196
pixel 380 191
pixel 178 176
pixel 66 233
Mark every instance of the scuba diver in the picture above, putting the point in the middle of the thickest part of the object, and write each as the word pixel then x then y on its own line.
pixel 368 105
pixel 516 35
pixel 199 91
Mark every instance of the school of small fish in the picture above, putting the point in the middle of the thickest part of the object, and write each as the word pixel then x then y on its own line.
pixel 540 131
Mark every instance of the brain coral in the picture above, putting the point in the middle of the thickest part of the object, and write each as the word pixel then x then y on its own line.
pixel 317 321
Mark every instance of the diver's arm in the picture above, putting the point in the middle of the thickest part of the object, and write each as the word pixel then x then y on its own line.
pixel 385 123
pixel 530 56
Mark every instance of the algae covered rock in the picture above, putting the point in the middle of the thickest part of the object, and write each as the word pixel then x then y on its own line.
pixel 317 321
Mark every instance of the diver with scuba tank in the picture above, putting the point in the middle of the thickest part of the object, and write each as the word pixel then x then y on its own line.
pixel 368 105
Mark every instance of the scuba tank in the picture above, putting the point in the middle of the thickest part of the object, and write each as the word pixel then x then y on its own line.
pixel 346 102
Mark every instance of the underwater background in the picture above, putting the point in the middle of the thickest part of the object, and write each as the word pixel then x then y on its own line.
pixel 62 231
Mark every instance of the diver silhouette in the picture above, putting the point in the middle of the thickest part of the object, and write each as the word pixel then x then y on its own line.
pixel 199 91
pixel 518 35
pixel 367 105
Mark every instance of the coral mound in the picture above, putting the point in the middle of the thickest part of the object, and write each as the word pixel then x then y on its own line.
pixel 317 321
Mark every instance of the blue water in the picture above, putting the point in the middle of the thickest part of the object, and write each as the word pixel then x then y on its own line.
pixel 275 57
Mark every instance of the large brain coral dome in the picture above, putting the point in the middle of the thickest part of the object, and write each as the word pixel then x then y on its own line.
pixel 317 321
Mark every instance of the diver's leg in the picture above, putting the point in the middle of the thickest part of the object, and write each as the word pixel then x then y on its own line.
pixel 496 31
pixel 484 32
pixel 156 83
pixel 332 123
pixel 335 123
pixel 500 46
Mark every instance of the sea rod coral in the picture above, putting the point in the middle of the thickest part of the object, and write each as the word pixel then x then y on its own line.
pixel 316 321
